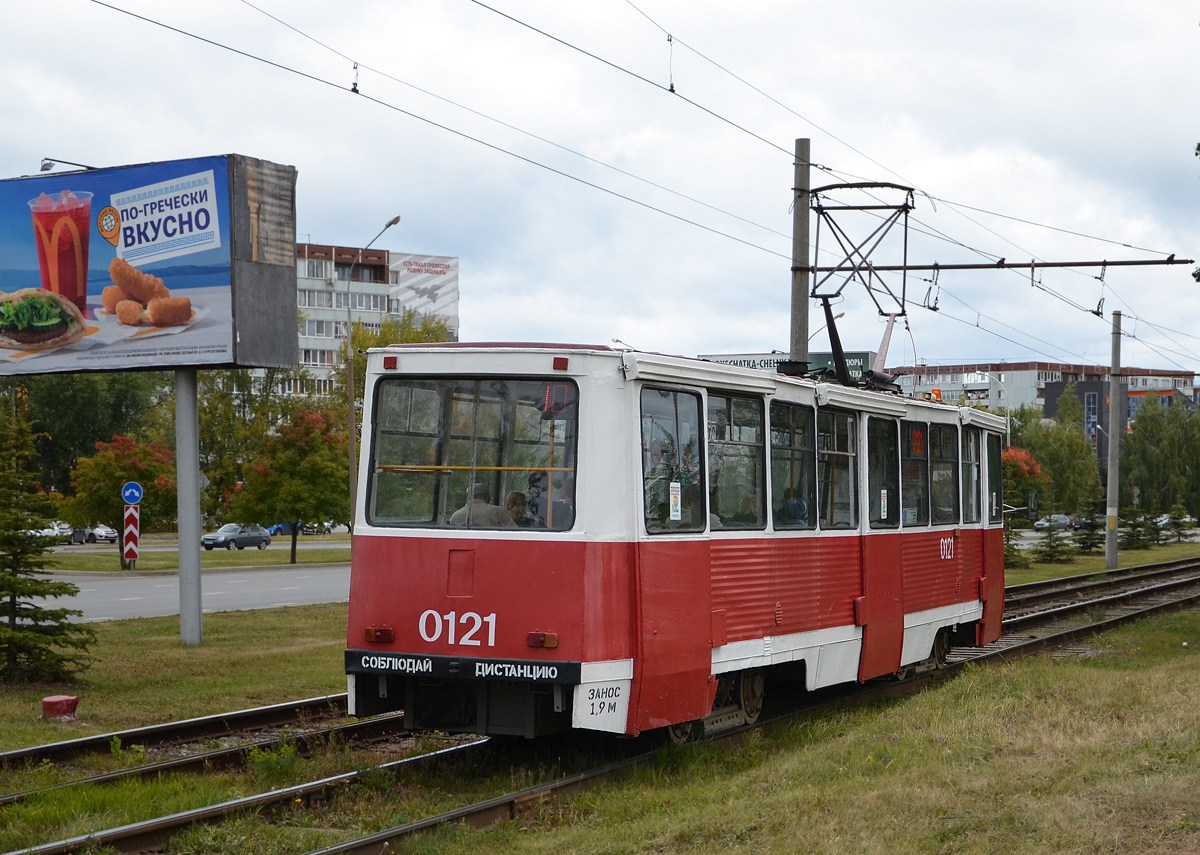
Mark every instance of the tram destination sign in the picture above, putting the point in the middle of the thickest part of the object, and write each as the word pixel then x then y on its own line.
pixel 465 667
pixel 182 263
pixel 857 362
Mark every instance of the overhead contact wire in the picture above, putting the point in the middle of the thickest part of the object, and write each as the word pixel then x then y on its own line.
pixel 512 127
pixel 446 128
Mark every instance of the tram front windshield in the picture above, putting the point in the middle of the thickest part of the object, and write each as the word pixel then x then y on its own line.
pixel 488 453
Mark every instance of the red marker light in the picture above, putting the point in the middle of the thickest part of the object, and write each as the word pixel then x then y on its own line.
pixel 389 362
pixel 380 634
pixel 560 363
pixel 542 639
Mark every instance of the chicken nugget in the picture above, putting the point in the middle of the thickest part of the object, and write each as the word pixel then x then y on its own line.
pixel 140 286
pixel 112 295
pixel 130 313
pixel 169 311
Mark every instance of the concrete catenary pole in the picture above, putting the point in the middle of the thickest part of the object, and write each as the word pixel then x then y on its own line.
pixel 800 272
pixel 1114 446
pixel 187 475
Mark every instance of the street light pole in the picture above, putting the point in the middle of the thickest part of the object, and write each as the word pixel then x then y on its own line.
pixel 351 410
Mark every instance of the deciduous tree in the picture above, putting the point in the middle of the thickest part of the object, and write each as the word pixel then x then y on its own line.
pixel 1158 467
pixel 407 329
pixel 72 412
pixel 98 479
pixel 237 414
pixel 1066 456
pixel 301 474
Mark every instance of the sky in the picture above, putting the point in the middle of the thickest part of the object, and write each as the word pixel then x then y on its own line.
pixel 541 143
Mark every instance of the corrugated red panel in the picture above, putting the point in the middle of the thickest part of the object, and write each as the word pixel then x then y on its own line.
pixel 809 582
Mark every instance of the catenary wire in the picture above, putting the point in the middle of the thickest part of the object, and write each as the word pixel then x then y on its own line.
pixel 933 232
pixel 500 149
pixel 512 127
pixel 957 207
pixel 443 127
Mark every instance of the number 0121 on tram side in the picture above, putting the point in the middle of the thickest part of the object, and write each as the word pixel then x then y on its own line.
pixel 561 536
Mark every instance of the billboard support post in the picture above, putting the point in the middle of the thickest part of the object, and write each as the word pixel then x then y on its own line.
pixel 187 474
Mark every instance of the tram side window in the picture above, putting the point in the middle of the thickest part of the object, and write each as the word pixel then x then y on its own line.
pixel 837 469
pixel 477 453
pixel 883 473
pixel 970 475
pixel 672 477
pixel 914 472
pixel 943 473
pixel 793 476
pixel 994 485
pixel 736 491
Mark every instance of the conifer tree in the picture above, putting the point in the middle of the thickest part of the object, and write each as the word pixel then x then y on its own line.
pixel 37 643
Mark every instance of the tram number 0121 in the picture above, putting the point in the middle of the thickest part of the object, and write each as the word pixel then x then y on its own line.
pixel 432 625
pixel 947 545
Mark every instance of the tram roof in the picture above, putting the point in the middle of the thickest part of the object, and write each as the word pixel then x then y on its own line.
pixel 661 367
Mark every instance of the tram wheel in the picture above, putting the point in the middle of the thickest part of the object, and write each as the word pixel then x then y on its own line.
pixel 941 648
pixel 752 687
pixel 680 733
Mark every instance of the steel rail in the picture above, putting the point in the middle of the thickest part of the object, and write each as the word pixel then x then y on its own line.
pixel 225 758
pixel 204 727
pixel 513 805
pixel 1036 645
pixel 1051 614
pixel 1031 593
pixel 151 834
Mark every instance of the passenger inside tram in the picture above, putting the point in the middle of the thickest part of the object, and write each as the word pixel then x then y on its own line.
pixel 479 511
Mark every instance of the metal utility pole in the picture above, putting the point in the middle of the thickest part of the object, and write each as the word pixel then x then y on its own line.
pixel 800 271
pixel 1114 446
pixel 352 429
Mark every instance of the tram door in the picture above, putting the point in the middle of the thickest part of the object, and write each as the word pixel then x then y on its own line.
pixel 880 610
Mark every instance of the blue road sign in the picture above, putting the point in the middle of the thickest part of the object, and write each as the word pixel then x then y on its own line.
pixel 131 493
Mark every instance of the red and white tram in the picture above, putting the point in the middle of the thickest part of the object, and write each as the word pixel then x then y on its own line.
pixel 560 536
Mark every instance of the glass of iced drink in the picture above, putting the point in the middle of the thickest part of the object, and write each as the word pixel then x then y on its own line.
pixel 61 227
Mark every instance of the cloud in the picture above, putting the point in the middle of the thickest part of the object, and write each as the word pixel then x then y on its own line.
pixel 1063 115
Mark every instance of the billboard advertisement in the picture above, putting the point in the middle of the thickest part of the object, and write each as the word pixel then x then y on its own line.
pixel 127 268
pixel 428 284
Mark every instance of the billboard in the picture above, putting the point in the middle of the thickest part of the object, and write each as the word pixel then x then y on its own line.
pixel 150 266
pixel 427 284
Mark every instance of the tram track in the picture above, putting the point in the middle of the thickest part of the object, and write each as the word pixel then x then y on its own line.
pixel 187 730
pixel 234 757
pixel 1049 616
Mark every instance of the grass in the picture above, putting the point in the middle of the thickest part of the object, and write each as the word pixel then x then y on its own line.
pixel 334 549
pixel 1094 563
pixel 142 674
pixel 1036 756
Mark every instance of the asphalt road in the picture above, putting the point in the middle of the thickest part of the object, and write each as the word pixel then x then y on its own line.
pixel 119 596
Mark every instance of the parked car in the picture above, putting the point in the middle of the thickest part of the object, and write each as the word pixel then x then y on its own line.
pixel 1059 521
pixel 1164 521
pixel 93 534
pixel 57 530
pixel 279 528
pixel 232 535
